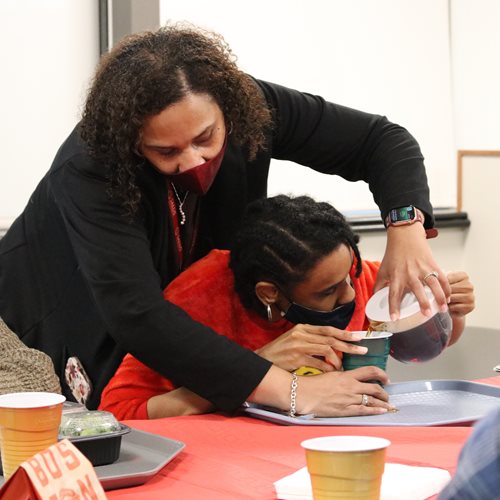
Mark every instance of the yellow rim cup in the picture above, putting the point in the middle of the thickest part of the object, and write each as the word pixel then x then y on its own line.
pixel 29 423
pixel 346 467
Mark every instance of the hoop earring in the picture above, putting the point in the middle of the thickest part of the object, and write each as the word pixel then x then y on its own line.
pixel 269 313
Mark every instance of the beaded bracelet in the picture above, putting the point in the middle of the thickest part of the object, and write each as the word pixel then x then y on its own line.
pixel 293 396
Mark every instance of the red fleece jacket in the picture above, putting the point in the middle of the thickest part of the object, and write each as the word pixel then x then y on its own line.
pixel 206 292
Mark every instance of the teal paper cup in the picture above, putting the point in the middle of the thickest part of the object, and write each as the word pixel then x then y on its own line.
pixel 378 345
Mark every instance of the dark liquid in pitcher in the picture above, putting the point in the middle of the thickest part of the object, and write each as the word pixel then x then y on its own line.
pixel 424 342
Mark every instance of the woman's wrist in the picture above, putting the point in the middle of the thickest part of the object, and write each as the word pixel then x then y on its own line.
pixel 274 389
pixel 180 401
pixel 457 329
pixel 413 230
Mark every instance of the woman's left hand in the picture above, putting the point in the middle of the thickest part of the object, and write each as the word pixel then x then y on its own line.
pixel 462 299
pixel 461 302
pixel 312 346
pixel 407 261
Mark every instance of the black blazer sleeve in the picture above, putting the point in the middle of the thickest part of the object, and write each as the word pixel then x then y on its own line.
pixel 114 256
pixel 334 139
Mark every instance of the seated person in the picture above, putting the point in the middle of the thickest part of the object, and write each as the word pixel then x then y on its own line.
pixel 23 369
pixel 478 472
pixel 292 289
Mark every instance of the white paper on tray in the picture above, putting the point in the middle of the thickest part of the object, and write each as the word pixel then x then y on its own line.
pixel 399 481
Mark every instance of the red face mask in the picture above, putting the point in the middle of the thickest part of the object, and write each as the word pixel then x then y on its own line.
pixel 199 179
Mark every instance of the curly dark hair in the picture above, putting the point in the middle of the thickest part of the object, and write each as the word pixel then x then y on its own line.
pixel 149 71
pixel 281 239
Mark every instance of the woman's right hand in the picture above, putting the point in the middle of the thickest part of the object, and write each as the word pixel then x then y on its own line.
pixel 308 345
pixel 340 394
pixel 333 394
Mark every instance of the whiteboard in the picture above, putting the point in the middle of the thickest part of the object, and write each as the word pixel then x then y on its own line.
pixel 389 57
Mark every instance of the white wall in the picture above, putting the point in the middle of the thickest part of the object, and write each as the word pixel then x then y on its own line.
pixel 48 49
pixel 481 176
pixel 476 83
pixel 387 56
pixel 476 72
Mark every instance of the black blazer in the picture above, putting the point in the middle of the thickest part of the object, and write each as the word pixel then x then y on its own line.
pixel 77 278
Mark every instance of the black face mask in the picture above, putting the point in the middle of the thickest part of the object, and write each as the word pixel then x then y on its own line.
pixel 338 317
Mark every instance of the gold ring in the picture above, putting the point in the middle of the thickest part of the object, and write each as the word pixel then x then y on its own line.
pixel 364 399
pixel 428 275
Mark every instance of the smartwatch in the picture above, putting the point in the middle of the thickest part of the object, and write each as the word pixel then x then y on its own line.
pixel 408 214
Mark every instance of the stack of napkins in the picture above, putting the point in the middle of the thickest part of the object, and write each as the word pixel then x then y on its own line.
pixel 399 481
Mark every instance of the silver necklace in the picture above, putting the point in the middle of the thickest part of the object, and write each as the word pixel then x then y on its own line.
pixel 181 203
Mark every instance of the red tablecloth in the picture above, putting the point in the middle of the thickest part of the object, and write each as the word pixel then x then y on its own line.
pixel 241 457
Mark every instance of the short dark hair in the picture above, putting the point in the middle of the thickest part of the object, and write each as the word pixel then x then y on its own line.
pixel 147 72
pixel 281 239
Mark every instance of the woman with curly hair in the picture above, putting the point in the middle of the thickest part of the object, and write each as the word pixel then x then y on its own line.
pixel 173 144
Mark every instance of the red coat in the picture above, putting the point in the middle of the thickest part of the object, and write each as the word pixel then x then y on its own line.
pixel 206 292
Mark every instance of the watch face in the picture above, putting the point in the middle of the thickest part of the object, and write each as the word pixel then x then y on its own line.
pixel 403 214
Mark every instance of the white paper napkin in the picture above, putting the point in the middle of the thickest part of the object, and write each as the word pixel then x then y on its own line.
pixel 399 481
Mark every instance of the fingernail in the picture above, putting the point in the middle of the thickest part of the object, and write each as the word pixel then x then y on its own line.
pixel 427 312
pixel 394 317
pixel 362 350
pixel 448 300
pixel 444 308
pixel 382 410
pixel 356 336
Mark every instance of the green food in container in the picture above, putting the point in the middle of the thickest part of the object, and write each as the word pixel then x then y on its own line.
pixel 88 423
pixel 97 434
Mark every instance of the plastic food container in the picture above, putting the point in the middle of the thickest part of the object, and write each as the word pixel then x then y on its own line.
pixel 97 434
pixel 72 407
pixel 416 337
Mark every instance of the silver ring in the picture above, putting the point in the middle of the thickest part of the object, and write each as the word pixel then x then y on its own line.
pixel 364 399
pixel 428 275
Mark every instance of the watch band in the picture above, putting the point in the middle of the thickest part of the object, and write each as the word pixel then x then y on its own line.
pixel 419 216
pixel 431 232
